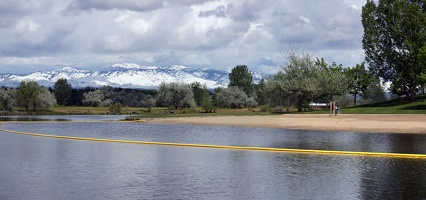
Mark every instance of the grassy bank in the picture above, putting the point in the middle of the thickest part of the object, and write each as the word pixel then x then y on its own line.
pixel 153 113
pixel 395 106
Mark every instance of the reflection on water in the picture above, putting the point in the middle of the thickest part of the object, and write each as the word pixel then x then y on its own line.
pixel 44 168
pixel 31 118
pixel 236 136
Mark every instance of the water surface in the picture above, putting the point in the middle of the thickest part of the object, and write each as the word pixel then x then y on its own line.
pixel 46 168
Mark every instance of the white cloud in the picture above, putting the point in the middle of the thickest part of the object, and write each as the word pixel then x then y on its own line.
pixel 209 33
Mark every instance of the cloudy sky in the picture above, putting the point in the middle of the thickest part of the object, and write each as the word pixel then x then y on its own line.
pixel 94 34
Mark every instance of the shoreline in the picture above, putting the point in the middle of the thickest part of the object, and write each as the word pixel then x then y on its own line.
pixel 377 123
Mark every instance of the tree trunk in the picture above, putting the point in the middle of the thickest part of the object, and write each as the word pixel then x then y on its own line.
pixel 300 103
pixel 355 99
pixel 411 93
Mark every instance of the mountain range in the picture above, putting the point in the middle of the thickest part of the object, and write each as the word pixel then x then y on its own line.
pixel 126 75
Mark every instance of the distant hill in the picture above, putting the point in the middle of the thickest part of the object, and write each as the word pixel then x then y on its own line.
pixel 126 75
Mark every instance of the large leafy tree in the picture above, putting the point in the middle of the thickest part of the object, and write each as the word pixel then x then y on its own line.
pixel 7 99
pixel 331 79
pixel 374 93
pixel 299 77
pixel 27 94
pixel 32 97
pixel 358 80
pixel 234 97
pixel 242 78
pixel 394 31
pixel 104 96
pixel 45 100
pixel 175 94
pixel 62 90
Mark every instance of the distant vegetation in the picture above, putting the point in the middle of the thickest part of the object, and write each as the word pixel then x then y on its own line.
pixel 302 80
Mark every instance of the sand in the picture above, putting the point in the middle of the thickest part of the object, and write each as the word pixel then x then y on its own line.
pixel 357 123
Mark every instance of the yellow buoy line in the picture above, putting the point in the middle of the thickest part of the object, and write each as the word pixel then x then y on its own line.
pixel 248 148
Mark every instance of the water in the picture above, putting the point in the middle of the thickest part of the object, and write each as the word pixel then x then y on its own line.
pixel 46 168
pixel 63 118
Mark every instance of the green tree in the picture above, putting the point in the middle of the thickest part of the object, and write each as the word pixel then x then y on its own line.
pixel 206 100
pixel 374 92
pixel 32 97
pixel 278 94
pixel 175 94
pixel 197 90
pixel 234 97
pixel 115 108
pixel 299 77
pixel 27 95
pixel 242 78
pixel 394 32
pixel 331 79
pixel 422 60
pixel 62 90
pixel 261 92
pixel 45 100
pixel 214 95
pixel 7 99
pixel 358 80
pixel 102 97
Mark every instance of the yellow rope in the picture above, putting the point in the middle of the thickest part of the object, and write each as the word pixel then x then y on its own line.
pixel 249 148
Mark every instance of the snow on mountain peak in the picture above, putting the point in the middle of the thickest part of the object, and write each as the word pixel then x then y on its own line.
pixel 126 66
pixel 68 68
pixel 177 67
pixel 130 66
pixel 124 75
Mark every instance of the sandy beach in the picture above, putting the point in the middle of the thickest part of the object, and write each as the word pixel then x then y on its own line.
pixel 358 123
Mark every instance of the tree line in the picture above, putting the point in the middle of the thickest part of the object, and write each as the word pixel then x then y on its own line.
pixel 301 80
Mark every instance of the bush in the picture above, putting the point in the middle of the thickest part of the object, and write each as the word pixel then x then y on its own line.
pixel 265 108
pixel 115 108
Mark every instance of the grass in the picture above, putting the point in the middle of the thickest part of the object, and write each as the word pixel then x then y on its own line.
pixel 74 110
pixel 395 106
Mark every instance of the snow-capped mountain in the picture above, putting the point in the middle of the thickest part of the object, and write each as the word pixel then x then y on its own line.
pixel 126 75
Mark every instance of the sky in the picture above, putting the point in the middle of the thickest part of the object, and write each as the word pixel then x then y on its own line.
pixel 38 35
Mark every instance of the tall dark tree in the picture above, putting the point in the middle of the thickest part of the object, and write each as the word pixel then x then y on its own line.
pixel 242 78
pixel 197 90
pixel 394 31
pixel 62 90
pixel 206 100
pixel 359 79
pixel 261 92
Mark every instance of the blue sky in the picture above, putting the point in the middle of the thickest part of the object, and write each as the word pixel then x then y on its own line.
pixel 220 34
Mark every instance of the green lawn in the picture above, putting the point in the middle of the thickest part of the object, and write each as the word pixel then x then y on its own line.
pixel 395 106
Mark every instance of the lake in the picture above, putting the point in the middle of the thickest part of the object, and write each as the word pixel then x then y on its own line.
pixel 48 168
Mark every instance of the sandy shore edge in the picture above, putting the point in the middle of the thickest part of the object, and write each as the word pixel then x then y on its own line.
pixel 384 123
